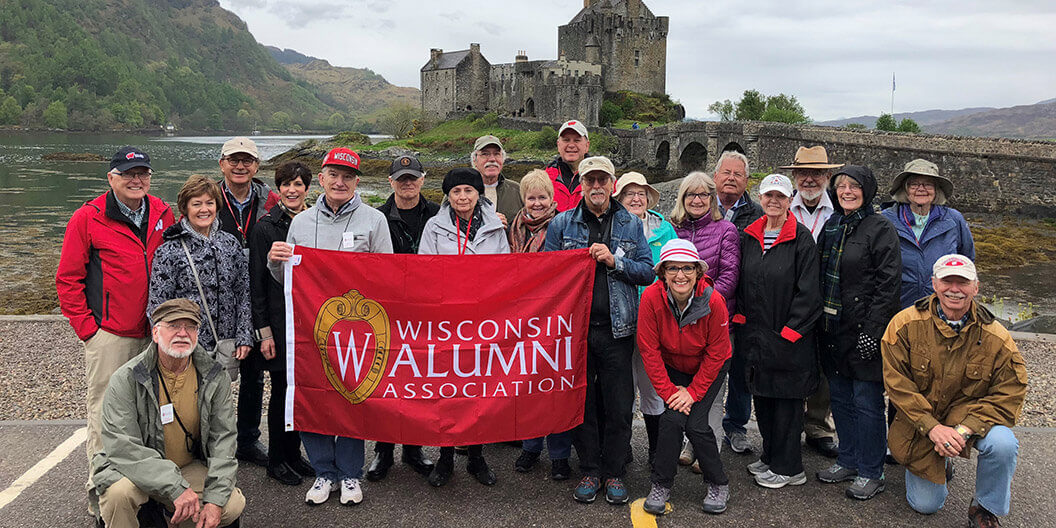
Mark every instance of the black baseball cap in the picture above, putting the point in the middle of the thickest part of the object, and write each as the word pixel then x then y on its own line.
pixel 405 165
pixel 128 157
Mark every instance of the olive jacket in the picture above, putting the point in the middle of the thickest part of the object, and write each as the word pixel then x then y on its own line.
pixel 934 375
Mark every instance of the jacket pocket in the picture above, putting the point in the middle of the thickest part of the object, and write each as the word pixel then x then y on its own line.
pixel 573 243
pixel 977 380
pixel 920 365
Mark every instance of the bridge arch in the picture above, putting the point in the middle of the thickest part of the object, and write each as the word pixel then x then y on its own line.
pixel 663 155
pixel 694 157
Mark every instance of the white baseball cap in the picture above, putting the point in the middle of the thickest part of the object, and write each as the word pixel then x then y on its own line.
pixel 573 125
pixel 954 264
pixel 776 182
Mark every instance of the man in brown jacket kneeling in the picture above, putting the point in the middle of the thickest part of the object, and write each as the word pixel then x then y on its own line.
pixel 958 381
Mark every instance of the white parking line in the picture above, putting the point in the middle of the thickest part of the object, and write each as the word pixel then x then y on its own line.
pixel 40 468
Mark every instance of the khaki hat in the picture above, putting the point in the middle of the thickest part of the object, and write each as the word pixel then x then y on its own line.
pixel 812 158
pixel 577 126
pixel 921 167
pixel 174 309
pixel 597 163
pixel 954 264
pixel 637 179
pixel 484 141
pixel 239 144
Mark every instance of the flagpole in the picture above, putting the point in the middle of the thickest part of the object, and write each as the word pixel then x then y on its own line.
pixel 892 95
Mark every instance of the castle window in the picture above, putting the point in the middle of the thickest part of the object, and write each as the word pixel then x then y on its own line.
pixel 637 55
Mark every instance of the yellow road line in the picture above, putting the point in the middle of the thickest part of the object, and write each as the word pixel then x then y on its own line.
pixel 643 519
pixel 40 468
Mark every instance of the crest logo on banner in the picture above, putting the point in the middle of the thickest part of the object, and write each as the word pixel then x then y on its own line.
pixel 353 307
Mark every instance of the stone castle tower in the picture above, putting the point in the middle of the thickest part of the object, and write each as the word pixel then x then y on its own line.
pixel 610 45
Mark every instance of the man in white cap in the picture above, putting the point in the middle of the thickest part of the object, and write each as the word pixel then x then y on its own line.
pixel 957 381
pixel 488 158
pixel 246 199
pixel 572 147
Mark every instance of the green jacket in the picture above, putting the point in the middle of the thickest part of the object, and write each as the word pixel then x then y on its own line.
pixel 133 440
pixel 508 194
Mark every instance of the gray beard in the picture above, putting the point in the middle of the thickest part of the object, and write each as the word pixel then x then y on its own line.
pixel 810 196
pixel 172 353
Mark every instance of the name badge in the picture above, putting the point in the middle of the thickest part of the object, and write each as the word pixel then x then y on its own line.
pixel 348 240
pixel 166 413
pixel 619 252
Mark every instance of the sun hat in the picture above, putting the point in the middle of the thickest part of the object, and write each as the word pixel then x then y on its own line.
pixel 638 178
pixel 812 158
pixel 679 250
pixel 921 167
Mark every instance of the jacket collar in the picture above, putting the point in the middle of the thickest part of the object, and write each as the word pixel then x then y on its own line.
pixel 347 208
pixel 491 219
pixel 393 212
pixel 788 230
pixel 616 209
pixel 823 204
pixel 699 306
pixel 113 211
pixel 977 314
pixel 147 363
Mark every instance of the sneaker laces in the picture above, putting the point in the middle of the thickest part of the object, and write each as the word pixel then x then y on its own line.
pixel 350 483
pixel 592 482
pixel 657 493
pixel 836 468
pixel 860 482
pixel 614 483
pixel 714 492
pixel 321 483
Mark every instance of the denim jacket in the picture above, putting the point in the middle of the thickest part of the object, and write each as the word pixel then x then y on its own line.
pixel 634 260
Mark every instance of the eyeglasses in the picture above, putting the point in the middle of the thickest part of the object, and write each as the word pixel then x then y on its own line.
pixel 241 161
pixel 848 187
pixel 693 196
pixel 129 176
pixel 920 185
pixel 190 328
pixel 635 194
pixel 592 182
pixel 672 271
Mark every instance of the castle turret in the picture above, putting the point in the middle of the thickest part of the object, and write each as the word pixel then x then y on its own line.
pixel 593 50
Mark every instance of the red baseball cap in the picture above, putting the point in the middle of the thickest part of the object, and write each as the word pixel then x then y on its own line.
pixel 343 157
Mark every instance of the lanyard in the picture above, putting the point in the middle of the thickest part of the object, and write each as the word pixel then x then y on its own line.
pixel 817 216
pixel 905 218
pixel 188 437
pixel 458 232
pixel 238 217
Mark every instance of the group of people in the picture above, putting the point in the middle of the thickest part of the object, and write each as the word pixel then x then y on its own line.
pixel 803 301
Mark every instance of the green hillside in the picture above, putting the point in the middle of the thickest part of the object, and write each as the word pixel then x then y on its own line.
pixel 126 64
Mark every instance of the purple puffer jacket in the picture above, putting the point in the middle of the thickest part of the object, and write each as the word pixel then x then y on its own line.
pixel 719 244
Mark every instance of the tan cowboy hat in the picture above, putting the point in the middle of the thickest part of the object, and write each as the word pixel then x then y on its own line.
pixel 638 179
pixel 921 167
pixel 812 158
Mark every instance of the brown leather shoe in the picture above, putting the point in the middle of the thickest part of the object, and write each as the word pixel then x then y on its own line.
pixel 978 517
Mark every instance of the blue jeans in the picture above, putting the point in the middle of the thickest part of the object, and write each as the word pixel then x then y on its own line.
pixel 334 457
pixel 998 451
pixel 738 398
pixel 858 410
pixel 559 445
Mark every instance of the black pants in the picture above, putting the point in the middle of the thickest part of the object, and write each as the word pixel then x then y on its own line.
pixel 610 384
pixel 251 398
pixel 780 424
pixel 283 446
pixel 385 447
pixel 447 454
pixel 696 427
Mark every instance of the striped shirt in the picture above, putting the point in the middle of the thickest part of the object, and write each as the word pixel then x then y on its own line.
pixel 769 237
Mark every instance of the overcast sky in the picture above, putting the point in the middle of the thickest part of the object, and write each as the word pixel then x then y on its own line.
pixel 835 56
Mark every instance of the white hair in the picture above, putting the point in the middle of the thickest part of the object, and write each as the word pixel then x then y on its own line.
pixel 473 155
pixel 732 154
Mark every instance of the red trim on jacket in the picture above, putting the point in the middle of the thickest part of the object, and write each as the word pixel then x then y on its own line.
pixel 788 230
pixel 700 348
pixel 107 253
pixel 739 319
pixel 790 334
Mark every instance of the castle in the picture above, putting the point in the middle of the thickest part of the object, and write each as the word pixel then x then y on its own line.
pixel 610 45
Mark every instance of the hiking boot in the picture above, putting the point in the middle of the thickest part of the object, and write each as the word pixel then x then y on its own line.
pixel 836 473
pixel 351 491
pixel 979 517
pixel 441 473
pixel 559 469
pixel 615 492
pixel 758 467
pixel 380 467
pixel 413 456
pixel 774 481
pixel 478 467
pixel 320 491
pixel 686 457
pixel 865 488
pixel 715 500
pixel 656 502
pixel 526 461
pixel 739 443
pixel 587 489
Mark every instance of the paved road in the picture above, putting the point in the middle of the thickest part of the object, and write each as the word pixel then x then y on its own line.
pixel 405 500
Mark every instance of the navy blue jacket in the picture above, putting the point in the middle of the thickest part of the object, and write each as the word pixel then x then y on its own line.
pixel 946 232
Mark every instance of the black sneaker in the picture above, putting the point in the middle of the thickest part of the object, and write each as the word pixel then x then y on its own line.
pixel 526 461
pixel 560 470
pixel 255 453
pixel 478 467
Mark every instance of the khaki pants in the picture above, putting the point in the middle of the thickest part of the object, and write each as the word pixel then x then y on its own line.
pixel 120 503
pixel 817 420
pixel 104 353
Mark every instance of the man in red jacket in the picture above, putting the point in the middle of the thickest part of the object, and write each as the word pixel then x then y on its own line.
pixel 104 270
pixel 572 147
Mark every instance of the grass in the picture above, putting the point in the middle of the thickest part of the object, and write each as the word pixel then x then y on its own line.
pixel 457 136
pixel 626 123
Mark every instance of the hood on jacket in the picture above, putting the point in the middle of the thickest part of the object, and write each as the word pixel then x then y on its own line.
pixel 864 176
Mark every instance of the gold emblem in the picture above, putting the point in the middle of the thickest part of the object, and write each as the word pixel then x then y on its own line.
pixel 405 161
pixel 353 306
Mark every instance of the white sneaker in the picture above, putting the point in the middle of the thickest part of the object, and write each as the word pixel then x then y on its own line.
pixel 758 467
pixel 351 491
pixel 774 481
pixel 320 491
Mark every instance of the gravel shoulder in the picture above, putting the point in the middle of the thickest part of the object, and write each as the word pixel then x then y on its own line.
pixel 42 374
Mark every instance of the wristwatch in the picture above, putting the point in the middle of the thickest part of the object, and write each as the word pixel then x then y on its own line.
pixel 262 334
pixel 963 431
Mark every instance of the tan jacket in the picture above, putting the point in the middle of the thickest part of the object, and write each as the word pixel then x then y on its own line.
pixel 934 375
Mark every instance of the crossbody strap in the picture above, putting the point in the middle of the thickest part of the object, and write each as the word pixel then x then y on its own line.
pixel 198 283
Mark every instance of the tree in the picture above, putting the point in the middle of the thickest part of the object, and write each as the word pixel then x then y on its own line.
pixel 55 115
pixel 610 113
pixel 336 121
pixel 281 121
pixel 886 122
pixel 10 111
pixel 397 120
pixel 783 108
pixel 751 106
pixel 724 109
pixel 908 125
pixel 857 126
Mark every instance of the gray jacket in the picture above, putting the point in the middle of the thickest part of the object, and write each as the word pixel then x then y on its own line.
pixel 440 238
pixel 355 227
pixel 134 440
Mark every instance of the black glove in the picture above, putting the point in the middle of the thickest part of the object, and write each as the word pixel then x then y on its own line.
pixel 868 348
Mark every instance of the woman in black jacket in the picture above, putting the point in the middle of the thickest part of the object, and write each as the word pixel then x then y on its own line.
pixel 861 278
pixel 285 463
pixel 778 304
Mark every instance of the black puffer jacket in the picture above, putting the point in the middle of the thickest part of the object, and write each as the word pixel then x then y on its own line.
pixel 267 298
pixel 404 240
pixel 778 305
pixel 870 287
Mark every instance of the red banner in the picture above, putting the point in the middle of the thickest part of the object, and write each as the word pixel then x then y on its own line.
pixel 437 350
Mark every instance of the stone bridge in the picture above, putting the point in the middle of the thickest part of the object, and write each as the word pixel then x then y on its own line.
pixel 993 175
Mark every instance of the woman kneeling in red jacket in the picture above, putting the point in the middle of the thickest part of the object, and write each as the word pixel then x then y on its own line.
pixel 684 339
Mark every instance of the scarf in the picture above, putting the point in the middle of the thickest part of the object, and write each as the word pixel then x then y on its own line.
pixel 528 234
pixel 472 226
pixel 836 231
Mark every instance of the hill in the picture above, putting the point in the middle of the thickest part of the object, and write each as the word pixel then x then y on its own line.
pixel 925 117
pixel 1036 121
pixel 133 64
pixel 355 91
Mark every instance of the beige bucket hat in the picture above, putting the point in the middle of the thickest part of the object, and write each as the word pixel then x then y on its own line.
pixel 921 167
pixel 638 178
